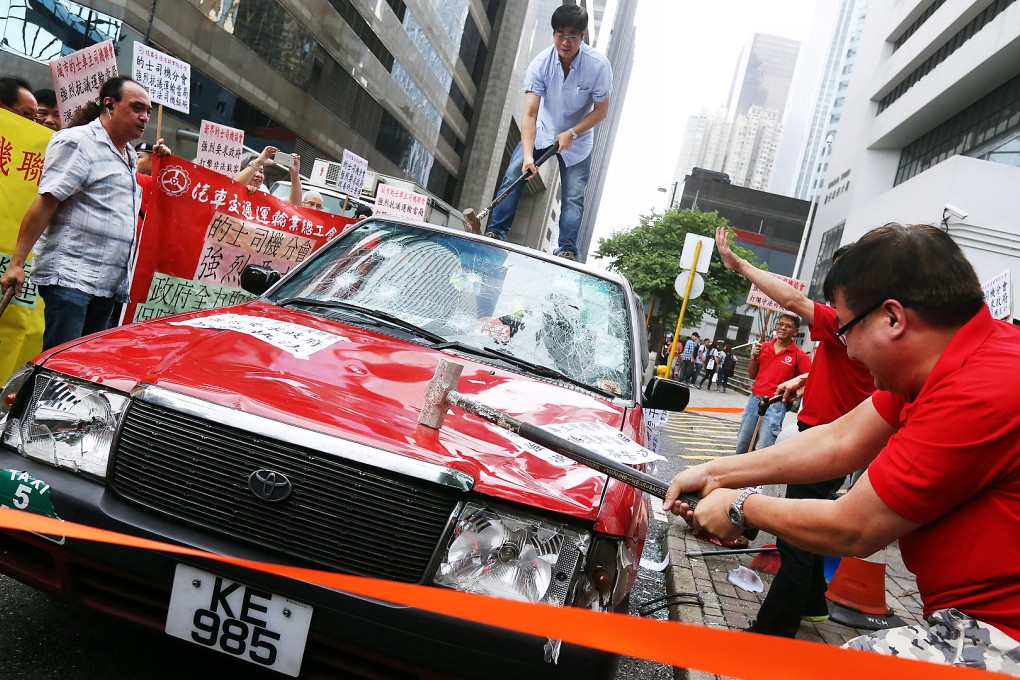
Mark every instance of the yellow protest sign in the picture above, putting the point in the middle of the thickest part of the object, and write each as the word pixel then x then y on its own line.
pixel 22 149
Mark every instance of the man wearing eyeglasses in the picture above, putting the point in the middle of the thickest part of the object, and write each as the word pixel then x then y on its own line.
pixel 834 386
pixel 567 88
pixel 940 439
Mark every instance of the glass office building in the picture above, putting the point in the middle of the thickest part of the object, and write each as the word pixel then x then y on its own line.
pixel 395 82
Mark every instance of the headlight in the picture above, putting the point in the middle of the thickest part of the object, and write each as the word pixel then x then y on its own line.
pixel 506 554
pixel 68 423
pixel 11 389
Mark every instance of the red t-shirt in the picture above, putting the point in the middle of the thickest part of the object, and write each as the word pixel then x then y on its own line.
pixel 774 369
pixel 836 383
pixel 954 467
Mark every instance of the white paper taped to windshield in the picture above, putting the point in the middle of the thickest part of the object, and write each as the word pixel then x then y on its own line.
pixel 594 436
pixel 295 339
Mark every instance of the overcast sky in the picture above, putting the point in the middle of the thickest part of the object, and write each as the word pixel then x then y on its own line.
pixel 684 60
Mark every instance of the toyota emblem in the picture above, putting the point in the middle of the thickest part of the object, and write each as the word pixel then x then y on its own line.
pixel 269 485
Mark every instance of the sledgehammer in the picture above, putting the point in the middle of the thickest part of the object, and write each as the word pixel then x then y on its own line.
pixel 440 394
pixel 474 220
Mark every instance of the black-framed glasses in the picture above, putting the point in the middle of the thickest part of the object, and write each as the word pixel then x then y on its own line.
pixel 845 328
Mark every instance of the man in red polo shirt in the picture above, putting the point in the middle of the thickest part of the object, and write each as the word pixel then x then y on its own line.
pixel 772 363
pixel 834 386
pixel 940 438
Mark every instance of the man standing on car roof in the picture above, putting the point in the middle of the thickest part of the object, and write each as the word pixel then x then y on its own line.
pixel 567 90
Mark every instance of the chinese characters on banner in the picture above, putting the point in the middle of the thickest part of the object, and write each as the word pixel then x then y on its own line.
pixel 22 148
pixel 352 174
pixel 202 229
pixel 391 200
pixel 166 79
pixel 78 77
pixel 220 148
pixel 997 296
pixel 757 298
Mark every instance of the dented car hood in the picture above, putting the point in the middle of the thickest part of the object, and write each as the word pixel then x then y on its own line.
pixel 362 385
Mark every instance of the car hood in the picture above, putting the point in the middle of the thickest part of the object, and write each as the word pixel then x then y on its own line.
pixel 361 385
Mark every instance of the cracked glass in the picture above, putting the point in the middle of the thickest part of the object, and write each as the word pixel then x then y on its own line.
pixel 544 315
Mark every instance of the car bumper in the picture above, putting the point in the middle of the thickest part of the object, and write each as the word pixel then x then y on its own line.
pixel 349 634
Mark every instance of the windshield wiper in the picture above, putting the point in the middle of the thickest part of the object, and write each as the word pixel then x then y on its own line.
pixel 372 314
pixel 537 369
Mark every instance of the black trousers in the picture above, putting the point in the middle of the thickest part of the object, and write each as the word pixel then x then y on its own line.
pixel 798 589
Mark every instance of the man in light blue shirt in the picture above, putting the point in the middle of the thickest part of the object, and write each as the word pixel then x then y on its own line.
pixel 567 90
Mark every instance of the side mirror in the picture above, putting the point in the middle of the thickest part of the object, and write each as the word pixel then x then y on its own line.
pixel 666 395
pixel 257 279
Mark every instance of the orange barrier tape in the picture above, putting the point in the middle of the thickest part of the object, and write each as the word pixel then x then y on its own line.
pixel 714 409
pixel 724 652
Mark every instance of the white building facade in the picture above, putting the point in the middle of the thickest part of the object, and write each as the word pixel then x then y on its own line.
pixel 930 132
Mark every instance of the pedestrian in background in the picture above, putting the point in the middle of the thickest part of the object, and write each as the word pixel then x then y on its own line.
pixel 726 362
pixel 834 386
pixel 710 363
pixel 687 359
pixel 772 362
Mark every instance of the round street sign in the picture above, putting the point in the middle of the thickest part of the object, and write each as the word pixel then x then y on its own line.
pixel 697 288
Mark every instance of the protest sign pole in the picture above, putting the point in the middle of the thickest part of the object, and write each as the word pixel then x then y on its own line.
pixel 683 306
pixel 159 123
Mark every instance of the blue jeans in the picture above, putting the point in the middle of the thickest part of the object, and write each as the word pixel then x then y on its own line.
pixel 71 314
pixel 771 425
pixel 573 181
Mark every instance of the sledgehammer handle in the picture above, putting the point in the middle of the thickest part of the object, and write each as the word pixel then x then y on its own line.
pixel 513 185
pixel 565 447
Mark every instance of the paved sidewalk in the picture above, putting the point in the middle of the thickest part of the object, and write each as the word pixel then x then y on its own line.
pixel 727 606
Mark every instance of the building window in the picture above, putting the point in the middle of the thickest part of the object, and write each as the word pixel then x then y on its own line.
pixel 823 263
pixel 977 131
pixel 986 16
pixel 912 28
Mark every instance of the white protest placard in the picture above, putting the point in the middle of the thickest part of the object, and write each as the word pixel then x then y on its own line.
pixel 704 257
pixel 220 148
pixel 166 79
pixel 297 340
pixel 997 296
pixel 391 200
pixel 78 77
pixel 757 298
pixel 352 174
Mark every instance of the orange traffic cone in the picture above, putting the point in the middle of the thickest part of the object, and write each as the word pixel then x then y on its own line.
pixel 857 594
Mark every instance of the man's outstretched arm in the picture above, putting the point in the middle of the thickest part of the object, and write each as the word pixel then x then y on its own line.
pixel 783 293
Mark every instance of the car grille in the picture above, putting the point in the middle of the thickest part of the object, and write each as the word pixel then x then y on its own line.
pixel 342 515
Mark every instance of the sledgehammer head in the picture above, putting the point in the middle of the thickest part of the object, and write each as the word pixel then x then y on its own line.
pixel 474 222
pixel 437 391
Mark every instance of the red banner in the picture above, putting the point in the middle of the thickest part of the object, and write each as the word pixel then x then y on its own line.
pixel 201 230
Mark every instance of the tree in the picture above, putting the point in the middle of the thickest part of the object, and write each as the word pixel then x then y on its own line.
pixel 649 256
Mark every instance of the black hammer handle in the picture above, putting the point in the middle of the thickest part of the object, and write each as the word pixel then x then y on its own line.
pixel 513 185
pixel 6 300
pixel 575 452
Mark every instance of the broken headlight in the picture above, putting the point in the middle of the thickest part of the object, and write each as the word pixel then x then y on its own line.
pixel 67 422
pixel 507 554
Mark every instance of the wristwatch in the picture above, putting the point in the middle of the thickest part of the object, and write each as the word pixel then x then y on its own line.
pixel 573 135
pixel 737 509
pixel 253 165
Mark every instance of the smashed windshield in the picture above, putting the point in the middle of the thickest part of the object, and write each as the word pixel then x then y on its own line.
pixel 477 295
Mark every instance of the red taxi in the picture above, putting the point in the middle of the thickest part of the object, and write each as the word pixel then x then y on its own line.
pixel 285 430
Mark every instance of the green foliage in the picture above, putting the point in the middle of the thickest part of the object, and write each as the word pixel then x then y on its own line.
pixel 649 256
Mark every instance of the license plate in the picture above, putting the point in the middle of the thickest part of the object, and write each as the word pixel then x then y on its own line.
pixel 239 620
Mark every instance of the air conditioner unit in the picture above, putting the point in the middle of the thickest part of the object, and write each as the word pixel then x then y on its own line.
pixel 324 173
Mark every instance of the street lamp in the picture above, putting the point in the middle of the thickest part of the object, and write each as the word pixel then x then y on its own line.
pixel 811 211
